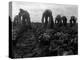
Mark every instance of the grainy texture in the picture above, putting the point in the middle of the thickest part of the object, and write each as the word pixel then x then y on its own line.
pixel 50 37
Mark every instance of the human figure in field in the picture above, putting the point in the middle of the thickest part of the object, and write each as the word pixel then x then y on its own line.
pixel 16 19
pixel 58 20
pixel 64 20
pixel 47 19
pixel 24 17
pixel 73 20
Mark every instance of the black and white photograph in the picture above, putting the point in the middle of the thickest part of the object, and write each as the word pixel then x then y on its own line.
pixel 42 29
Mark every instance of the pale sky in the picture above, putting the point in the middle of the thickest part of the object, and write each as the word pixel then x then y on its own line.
pixel 36 9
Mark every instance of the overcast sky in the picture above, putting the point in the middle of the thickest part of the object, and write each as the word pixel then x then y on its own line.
pixel 36 10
